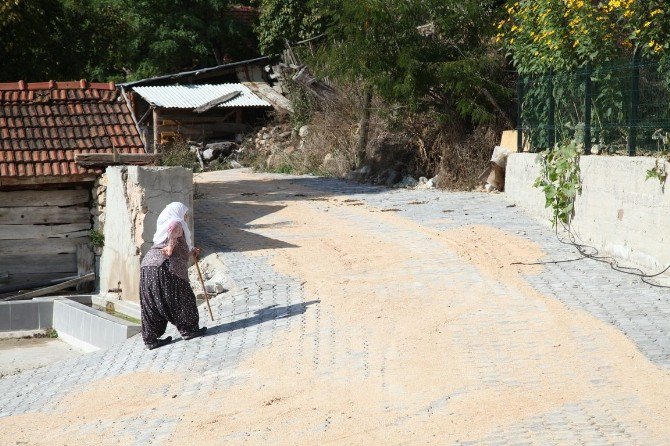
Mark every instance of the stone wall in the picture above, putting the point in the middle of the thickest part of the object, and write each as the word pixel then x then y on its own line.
pixel 134 196
pixel 618 212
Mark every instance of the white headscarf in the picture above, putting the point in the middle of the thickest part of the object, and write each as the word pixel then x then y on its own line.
pixel 173 212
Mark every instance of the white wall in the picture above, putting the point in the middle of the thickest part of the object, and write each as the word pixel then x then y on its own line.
pixel 618 211
pixel 135 197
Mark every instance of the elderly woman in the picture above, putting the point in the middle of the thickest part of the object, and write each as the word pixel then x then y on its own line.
pixel 165 291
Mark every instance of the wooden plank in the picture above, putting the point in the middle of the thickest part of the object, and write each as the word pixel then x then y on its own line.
pixel 109 159
pixel 66 197
pixel 38 263
pixel 218 101
pixel 223 127
pixel 52 289
pixel 85 265
pixel 22 281
pixel 184 119
pixel 45 214
pixel 45 246
pixel 22 232
pixel 85 259
pixel 34 181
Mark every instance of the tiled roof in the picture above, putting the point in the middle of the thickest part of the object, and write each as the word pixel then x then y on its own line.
pixel 44 125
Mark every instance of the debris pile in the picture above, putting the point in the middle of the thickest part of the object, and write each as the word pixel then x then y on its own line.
pixel 220 154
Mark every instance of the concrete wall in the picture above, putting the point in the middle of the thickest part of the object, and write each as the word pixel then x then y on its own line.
pixel 618 211
pixel 135 196
pixel 87 328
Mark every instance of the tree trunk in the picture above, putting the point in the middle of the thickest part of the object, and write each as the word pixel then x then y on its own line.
pixel 364 127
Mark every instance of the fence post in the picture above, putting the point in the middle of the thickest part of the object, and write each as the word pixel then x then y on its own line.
pixel 519 114
pixel 587 109
pixel 634 103
pixel 551 131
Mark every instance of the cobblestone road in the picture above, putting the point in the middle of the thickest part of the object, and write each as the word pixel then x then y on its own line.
pixel 234 225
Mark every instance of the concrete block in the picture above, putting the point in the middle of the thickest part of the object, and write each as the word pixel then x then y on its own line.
pixel 46 314
pixel 24 316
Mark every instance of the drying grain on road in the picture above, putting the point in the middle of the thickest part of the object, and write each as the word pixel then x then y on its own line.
pixel 363 315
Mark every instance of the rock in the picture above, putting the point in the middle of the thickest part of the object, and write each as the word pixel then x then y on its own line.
pixel 304 131
pixel 214 287
pixel 209 154
pixel 364 170
pixel 285 135
pixel 234 164
pixel 425 183
pixel 408 181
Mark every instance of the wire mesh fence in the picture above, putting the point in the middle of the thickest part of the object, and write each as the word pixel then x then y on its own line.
pixel 618 108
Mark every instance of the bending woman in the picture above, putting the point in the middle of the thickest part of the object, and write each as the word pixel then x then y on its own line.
pixel 165 291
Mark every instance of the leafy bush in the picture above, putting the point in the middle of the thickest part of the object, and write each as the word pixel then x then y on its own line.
pixel 178 153
pixel 560 180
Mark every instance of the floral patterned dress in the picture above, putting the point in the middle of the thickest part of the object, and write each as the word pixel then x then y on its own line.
pixel 165 292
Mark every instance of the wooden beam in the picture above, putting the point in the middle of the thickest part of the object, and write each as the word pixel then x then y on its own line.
pixel 23 232
pixel 52 289
pixel 66 197
pixel 224 127
pixel 40 180
pixel 38 263
pixel 156 131
pixel 45 214
pixel 47 246
pixel 218 101
pixel 109 159
pixel 188 119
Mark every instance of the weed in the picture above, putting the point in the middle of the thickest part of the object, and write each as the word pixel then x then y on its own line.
pixel 97 238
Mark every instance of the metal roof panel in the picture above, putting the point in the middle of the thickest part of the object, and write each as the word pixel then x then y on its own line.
pixel 192 96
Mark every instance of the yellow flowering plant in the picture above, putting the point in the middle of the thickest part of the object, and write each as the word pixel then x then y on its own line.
pixel 558 35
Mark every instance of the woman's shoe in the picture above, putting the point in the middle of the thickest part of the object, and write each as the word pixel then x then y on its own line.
pixel 199 332
pixel 159 343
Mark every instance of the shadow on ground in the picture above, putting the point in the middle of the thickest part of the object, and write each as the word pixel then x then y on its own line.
pixel 272 312
pixel 225 210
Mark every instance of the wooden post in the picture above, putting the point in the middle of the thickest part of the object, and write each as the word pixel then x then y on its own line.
pixel 551 124
pixel 634 103
pixel 588 93
pixel 519 114
pixel 156 133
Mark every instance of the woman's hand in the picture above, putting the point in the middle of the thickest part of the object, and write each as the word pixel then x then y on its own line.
pixel 196 252
pixel 167 250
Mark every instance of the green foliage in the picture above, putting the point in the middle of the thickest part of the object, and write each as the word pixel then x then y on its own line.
pixel 51 333
pixel 560 180
pixel 660 170
pixel 281 20
pixel 178 153
pixel 117 40
pixel 97 238
pixel 452 69
pixel 61 39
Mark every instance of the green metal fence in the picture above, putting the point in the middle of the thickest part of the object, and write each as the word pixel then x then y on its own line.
pixel 618 108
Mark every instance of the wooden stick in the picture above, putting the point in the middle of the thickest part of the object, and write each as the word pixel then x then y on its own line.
pixel 204 290
pixel 51 289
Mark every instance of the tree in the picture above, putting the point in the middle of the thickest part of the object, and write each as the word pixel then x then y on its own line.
pixel 453 69
pixel 292 20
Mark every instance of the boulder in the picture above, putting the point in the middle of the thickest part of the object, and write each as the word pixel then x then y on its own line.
pixel 304 131
pixel 408 181
pixel 214 287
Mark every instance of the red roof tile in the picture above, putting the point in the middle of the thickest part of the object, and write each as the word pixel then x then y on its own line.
pixel 43 125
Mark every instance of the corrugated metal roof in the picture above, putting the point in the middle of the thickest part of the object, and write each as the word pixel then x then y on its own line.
pixel 192 96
